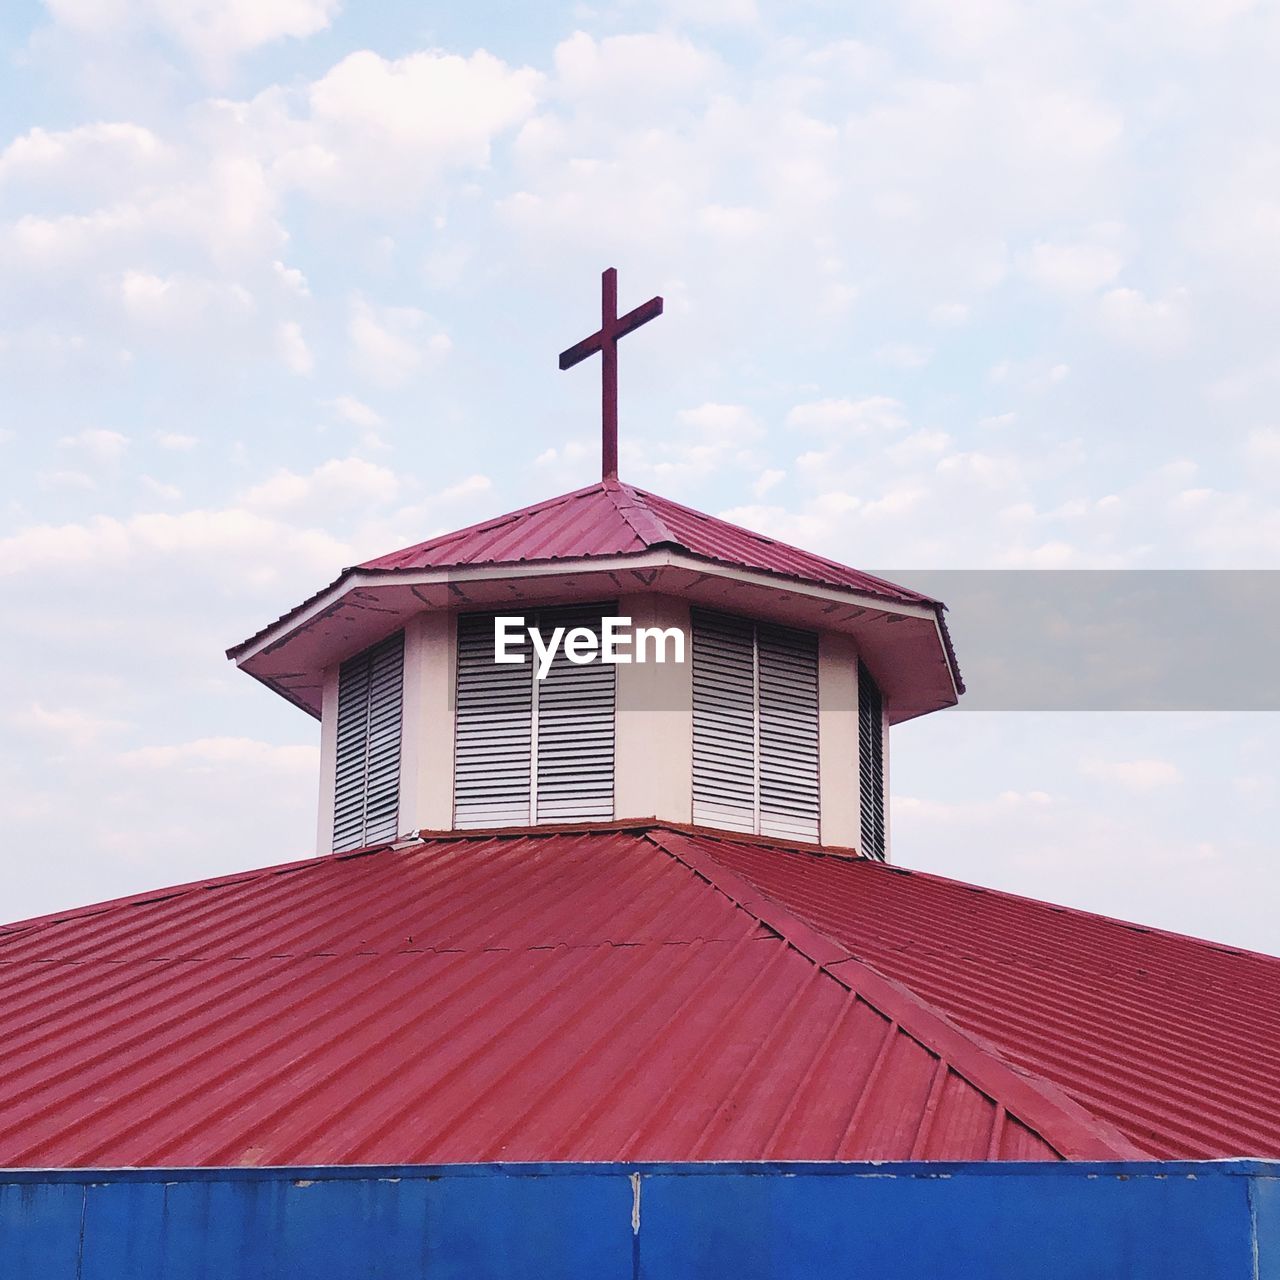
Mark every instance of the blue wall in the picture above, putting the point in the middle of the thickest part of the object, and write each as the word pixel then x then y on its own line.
pixel 597 1222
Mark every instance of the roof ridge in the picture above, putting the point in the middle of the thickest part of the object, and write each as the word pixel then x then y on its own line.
pixel 1069 1127
pixel 766 539
pixel 639 517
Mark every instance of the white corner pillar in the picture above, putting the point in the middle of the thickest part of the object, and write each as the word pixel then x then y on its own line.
pixel 426 744
pixel 328 760
pixel 838 741
pixel 653 751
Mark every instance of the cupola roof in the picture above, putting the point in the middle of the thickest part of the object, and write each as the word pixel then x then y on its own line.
pixel 612 518
pixel 602 541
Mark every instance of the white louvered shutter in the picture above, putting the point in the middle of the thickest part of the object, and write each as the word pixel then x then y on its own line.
pixel 871 763
pixel 575 726
pixel 787 663
pixel 493 742
pixel 724 721
pixel 527 750
pixel 366 802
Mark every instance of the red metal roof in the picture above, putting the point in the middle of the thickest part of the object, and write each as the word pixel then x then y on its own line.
pixel 620 994
pixel 1173 1040
pixel 610 519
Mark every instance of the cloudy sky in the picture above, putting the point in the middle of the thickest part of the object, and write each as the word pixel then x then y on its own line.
pixel 282 285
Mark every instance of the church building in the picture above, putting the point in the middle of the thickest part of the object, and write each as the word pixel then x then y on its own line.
pixel 647 908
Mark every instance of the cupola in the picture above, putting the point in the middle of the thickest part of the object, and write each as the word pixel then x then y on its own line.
pixel 607 655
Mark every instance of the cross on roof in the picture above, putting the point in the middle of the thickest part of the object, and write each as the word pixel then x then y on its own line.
pixel 605 341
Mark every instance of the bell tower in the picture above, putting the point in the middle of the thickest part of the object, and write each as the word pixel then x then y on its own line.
pixel 607 656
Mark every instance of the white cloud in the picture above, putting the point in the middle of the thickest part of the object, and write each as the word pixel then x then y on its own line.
pixel 97 443
pixel 218 204
pixel 292 279
pixel 979 811
pixel 391 344
pixel 1071 268
pixel 903 355
pixel 713 13
pixel 72 725
pixel 178 300
pixel 207 755
pixel 1160 326
pixel 380 130
pixel 213 31
pixel 919 446
pixel 470 487
pixel 712 436
pixel 356 412
pixel 292 348
pixel 632 71
pixel 1137 775
pixel 949 315
pixel 768 479
pixel 64 479
pixel 176 441
pixel 240 545
pixel 849 417
pixel 336 484
pixel 161 490
pixel 106 154
pixel 1263 445
pixel 722 423
pixel 732 222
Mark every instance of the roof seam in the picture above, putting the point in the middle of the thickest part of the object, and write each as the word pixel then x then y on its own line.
pixel 347 953
pixel 658 532
pixel 1068 1126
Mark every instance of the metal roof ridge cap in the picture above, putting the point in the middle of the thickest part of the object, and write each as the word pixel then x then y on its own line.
pixel 880 600
pixel 649 527
pixel 1035 1101
pixel 769 540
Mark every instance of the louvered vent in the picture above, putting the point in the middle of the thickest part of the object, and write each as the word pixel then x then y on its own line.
pixel 493 743
pixel 528 750
pixel 575 715
pixel 788 683
pixel 366 800
pixel 871 763
pixel 724 722
pixel 755 727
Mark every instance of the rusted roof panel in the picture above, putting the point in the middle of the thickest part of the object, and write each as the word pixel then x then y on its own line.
pixel 1173 1040
pixel 579 996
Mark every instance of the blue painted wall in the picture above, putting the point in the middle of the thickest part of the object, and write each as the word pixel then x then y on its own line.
pixel 658 1222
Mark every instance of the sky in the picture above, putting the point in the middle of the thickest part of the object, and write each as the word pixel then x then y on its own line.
pixel 282 287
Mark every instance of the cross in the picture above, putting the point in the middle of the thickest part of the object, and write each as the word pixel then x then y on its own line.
pixel 605 341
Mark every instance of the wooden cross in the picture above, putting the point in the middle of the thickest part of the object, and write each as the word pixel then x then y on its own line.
pixel 605 341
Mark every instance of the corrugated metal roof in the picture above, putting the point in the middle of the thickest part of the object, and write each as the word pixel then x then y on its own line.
pixel 1173 1040
pixel 611 518
pixel 586 996
pixel 594 528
